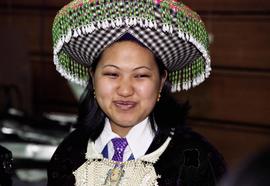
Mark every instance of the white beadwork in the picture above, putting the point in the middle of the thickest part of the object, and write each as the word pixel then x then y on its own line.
pixel 95 171
pixel 105 24
pixel 154 156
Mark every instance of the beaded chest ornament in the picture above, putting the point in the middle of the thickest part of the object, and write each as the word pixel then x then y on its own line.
pixel 98 171
pixel 114 175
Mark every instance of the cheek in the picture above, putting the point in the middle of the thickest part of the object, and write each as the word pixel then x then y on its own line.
pixel 103 95
pixel 148 90
pixel 103 89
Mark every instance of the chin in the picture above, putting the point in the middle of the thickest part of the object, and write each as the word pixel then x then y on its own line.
pixel 126 123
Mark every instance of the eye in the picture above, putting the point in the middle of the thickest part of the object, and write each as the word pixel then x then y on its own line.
pixel 141 76
pixel 111 74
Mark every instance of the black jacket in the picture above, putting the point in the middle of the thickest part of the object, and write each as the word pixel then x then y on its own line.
pixel 6 167
pixel 189 160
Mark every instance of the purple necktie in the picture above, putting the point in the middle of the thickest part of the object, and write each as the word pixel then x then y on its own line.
pixel 119 145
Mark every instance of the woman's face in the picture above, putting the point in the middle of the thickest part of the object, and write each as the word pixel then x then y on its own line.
pixel 127 84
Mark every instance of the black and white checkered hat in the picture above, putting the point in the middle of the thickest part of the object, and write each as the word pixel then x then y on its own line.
pixel 173 32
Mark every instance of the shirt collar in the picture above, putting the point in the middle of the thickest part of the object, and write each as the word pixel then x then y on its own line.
pixel 105 137
pixel 139 137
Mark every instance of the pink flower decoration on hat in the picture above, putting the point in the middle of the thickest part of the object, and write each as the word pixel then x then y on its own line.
pixel 174 7
pixel 158 1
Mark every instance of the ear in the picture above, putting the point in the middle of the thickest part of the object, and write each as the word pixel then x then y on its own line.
pixel 163 79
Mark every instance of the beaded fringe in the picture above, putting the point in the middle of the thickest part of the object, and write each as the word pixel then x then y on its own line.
pixel 65 28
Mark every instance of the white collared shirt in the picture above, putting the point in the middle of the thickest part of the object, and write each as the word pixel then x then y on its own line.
pixel 139 139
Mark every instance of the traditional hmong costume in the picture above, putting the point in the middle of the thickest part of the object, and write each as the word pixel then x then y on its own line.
pixel 177 37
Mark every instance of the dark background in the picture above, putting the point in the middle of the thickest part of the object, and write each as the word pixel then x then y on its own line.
pixel 232 108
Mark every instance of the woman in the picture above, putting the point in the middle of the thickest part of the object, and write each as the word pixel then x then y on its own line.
pixel 130 131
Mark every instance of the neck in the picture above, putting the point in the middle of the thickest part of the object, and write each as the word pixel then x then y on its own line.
pixel 121 131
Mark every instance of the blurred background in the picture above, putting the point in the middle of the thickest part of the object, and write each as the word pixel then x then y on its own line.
pixel 38 107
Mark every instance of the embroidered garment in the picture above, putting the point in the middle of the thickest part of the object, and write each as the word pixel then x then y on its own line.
pixel 188 160
pixel 96 171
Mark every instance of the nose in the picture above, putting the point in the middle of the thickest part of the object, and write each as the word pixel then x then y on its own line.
pixel 125 87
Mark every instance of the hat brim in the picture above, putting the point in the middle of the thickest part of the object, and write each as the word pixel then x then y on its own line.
pixel 185 57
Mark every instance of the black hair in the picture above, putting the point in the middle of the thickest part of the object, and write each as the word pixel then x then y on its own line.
pixel 167 113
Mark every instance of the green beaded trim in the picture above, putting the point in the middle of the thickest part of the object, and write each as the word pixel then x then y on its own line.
pixel 190 76
pixel 83 15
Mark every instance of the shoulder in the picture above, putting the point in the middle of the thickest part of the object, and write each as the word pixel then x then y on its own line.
pixel 69 155
pixel 194 158
pixel 200 156
pixel 186 138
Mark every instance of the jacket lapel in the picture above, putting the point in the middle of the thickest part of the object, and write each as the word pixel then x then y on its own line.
pixel 158 140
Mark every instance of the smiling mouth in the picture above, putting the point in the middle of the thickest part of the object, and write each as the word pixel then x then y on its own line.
pixel 125 105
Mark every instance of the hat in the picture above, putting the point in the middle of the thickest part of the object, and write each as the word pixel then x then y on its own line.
pixel 173 32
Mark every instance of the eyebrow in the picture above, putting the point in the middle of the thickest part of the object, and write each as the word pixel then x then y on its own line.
pixel 148 68
pixel 137 68
pixel 104 66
